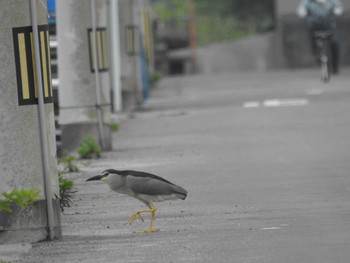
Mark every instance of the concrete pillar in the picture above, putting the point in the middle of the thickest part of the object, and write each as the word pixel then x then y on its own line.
pixel 20 151
pixel 134 18
pixel 76 72
pixel 129 77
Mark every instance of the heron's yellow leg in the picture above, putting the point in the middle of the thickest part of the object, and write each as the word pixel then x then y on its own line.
pixel 150 229
pixel 152 210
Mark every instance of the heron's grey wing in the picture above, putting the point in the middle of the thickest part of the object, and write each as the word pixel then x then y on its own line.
pixel 154 187
pixel 144 174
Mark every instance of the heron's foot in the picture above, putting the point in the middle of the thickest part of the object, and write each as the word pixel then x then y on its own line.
pixel 133 216
pixel 151 230
pixel 152 210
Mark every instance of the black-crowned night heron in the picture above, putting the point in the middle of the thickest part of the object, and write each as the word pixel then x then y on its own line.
pixel 146 187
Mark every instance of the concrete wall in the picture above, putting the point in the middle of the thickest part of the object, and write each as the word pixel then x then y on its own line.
pixel 20 151
pixel 255 53
pixel 284 7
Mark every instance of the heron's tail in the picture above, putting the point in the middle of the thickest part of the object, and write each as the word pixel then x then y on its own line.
pixel 180 192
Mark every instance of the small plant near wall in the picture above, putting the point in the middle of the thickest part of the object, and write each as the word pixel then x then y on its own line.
pixel 154 77
pixel 69 165
pixel 114 126
pixel 21 197
pixel 66 191
pixel 88 148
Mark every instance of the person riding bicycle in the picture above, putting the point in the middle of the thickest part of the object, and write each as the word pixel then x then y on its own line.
pixel 320 16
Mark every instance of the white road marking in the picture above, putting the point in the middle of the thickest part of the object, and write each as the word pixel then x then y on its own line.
pixel 270 228
pixel 274 227
pixel 285 102
pixel 276 103
pixel 251 104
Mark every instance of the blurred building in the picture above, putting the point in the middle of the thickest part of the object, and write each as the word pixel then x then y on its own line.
pixel 285 45
pixel 133 52
pixel 292 35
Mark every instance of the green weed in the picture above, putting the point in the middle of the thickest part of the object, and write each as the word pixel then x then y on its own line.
pixel 21 197
pixel 114 126
pixel 154 77
pixel 69 164
pixel 66 192
pixel 88 148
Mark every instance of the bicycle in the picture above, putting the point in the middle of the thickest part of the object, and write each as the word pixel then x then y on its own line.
pixel 323 53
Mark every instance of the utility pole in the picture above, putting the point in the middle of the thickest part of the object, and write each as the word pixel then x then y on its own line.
pixel 192 34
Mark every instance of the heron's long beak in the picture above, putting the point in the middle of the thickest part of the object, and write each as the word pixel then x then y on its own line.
pixel 96 178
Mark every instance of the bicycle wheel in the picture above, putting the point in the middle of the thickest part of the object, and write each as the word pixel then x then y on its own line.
pixel 325 75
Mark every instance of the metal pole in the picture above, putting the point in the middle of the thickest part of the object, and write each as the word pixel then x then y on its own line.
pixel 42 123
pixel 115 52
pixel 97 75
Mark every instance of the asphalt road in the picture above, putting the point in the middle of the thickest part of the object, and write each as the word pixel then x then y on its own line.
pixel 265 158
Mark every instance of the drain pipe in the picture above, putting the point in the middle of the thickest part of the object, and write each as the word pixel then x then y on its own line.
pixel 42 123
pixel 99 114
pixel 115 54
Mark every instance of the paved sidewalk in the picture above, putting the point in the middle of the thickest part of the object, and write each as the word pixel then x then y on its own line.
pixel 267 183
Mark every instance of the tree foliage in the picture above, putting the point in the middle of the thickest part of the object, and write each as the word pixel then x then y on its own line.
pixel 221 19
pixel 241 9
